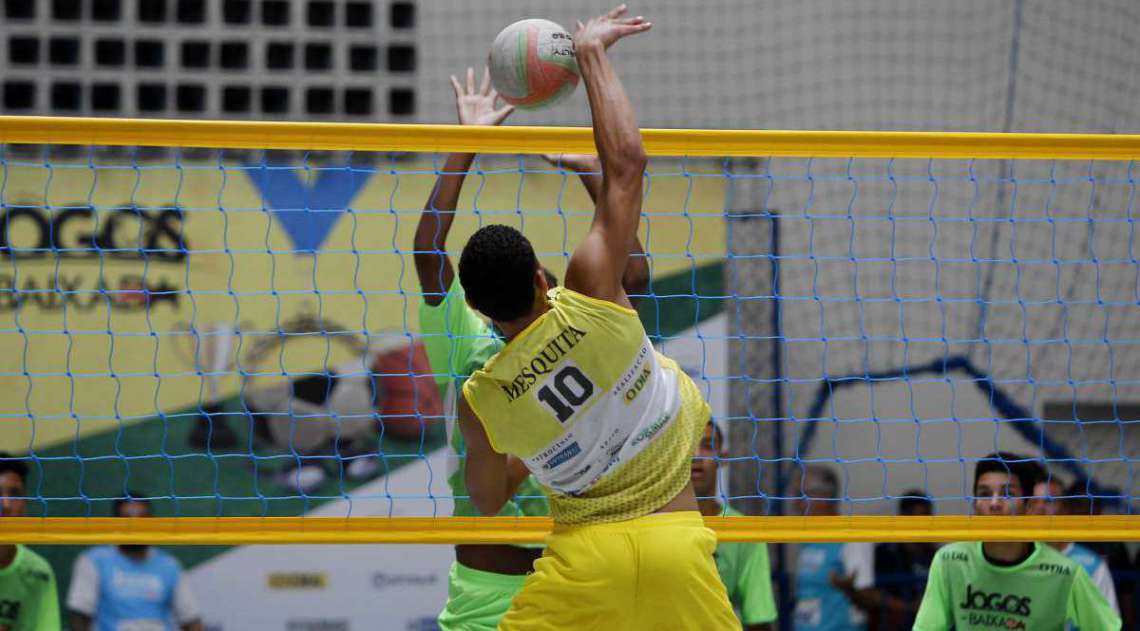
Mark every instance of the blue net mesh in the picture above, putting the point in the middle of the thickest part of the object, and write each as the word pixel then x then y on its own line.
pixel 236 333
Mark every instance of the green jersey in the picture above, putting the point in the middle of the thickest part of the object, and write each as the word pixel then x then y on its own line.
pixel 28 598
pixel 458 342
pixel 967 592
pixel 744 570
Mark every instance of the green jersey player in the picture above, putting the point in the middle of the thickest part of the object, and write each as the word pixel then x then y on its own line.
pixel 1009 585
pixel 28 597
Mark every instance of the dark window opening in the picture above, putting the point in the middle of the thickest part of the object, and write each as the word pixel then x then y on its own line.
pixel 318 56
pixel 23 50
pixel 105 97
pixel 19 95
pixel 195 54
pixel 401 58
pixel 152 11
pixel 236 99
pixel 191 11
pixel 190 98
pixel 358 102
pixel 319 101
pixel 65 10
pixel 358 15
pixel 66 96
pixel 234 55
pixel 20 9
pixel 63 51
pixel 237 11
pixel 149 53
pixel 110 52
pixel 321 13
pixel 362 58
pixel 151 97
pixel 106 10
pixel 401 102
pixel 402 15
pixel 275 100
pixel 274 12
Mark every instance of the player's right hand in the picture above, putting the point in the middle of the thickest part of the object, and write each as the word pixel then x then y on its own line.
pixel 608 28
pixel 477 107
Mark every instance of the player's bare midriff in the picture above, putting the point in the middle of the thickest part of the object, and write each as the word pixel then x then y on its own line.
pixel 497 558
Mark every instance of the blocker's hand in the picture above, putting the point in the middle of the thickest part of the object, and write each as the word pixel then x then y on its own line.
pixel 608 28
pixel 477 107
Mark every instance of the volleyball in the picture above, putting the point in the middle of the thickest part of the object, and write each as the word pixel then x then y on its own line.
pixel 532 64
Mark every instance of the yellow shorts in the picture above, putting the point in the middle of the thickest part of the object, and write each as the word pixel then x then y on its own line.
pixel 653 572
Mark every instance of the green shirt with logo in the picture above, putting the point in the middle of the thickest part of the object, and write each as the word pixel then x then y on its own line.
pixel 744 569
pixel 967 592
pixel 28 598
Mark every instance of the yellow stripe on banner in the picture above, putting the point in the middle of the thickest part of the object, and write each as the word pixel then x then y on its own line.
pixel 456 530
pixel 660 142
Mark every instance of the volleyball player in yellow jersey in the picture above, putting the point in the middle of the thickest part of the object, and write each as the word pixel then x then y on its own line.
pixel 579 398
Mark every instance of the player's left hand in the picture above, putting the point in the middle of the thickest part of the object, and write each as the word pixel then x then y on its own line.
pixel 477 107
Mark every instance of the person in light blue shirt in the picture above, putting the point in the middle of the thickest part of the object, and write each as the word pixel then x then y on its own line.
pixel 1050 498
pixel 835 582
pixel 131 587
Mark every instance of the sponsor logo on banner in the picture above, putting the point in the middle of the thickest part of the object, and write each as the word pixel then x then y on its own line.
pixel 297 580
pixel 382 580
pixel 83 245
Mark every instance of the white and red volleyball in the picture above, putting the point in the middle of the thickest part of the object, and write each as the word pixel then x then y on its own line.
pixel 533 64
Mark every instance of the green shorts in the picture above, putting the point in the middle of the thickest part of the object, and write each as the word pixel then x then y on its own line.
pixel 476 600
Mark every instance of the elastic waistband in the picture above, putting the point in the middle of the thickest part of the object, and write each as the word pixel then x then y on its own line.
pixel 655 520
pixel 464 573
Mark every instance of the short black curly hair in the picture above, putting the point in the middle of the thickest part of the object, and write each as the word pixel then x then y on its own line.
pixel 496 270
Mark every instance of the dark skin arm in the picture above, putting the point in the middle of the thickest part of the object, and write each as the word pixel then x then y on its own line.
pixel 492 478
pixel 476 106
pixel 599 262
pixel 635 280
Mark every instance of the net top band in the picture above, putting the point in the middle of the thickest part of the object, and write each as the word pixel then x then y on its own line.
pixel 659 142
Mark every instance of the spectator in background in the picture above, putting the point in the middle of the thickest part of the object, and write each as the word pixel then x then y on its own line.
pixel 1079 501
pixel 130 586
pixel 1008 584
pixel 1050 498
pixel 834 581
pixel 901 569
pixel 743 567
pixel 28 597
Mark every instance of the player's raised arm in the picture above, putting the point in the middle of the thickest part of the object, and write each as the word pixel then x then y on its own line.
pixel 599 262
pixel 433 266
pixel 635 279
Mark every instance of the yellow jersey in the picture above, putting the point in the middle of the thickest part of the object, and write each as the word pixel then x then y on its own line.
pixel 602 420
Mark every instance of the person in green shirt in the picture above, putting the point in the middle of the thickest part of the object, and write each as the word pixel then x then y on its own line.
pixel 1009 585
pixel 743 567
pixel 28 597
pixel 484 578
